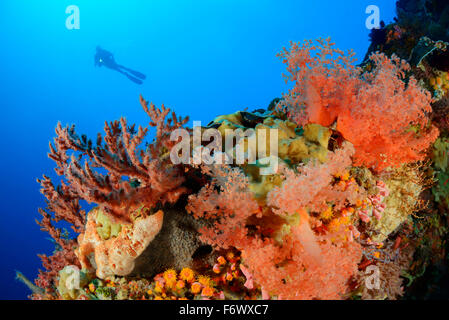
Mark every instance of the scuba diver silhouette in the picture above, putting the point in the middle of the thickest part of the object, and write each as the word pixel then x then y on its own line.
pixel 105 58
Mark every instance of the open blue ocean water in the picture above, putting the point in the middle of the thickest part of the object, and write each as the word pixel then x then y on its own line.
pixel 200 58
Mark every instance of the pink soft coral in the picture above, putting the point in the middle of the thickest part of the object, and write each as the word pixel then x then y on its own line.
pixel 308 265
pixel 287 271
pixel 229 203
pixel 385 118
pixel 311 185
pixel 300 264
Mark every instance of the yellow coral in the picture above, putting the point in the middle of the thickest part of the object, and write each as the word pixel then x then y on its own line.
pixel 440 83
pixel 170 277
pixel 316 133
pixel 187 274
pixel 338 223
pixel 261 185
pixel 291 146
pixel 235 118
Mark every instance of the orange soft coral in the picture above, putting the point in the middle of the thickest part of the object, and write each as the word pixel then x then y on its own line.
pixel 307 264
pixel 294 261
pixel 385 118
pixel 288 272
pixel 388 124
pixel 324 83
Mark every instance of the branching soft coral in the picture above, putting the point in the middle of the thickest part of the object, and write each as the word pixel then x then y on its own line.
pixel 386 119
pixel 134 178
pixel 151 178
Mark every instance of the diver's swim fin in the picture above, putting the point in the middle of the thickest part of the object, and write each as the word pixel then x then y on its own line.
pixel 134 73
pixel 135 80
pixel 137 74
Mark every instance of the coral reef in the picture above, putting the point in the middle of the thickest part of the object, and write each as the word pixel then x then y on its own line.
pixel 357 208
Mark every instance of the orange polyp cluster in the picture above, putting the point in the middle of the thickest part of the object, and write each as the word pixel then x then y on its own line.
pixel 337 223
pixel 170 285
pixel 204 281
pixel 180 284
pixel 226 269
pixel 361 206
pixel 338 220
pixel 225 276
pixel 221 260
pixel 344 180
